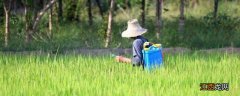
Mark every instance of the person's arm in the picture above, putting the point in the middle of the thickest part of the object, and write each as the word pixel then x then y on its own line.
pixel 123 59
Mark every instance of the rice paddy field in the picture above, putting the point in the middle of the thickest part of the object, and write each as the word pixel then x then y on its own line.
pixel 78 75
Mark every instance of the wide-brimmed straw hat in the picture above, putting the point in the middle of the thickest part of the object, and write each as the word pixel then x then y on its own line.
pixel 134 29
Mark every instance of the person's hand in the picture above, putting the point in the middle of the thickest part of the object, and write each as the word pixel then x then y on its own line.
pixel 118 58
pixel 122 59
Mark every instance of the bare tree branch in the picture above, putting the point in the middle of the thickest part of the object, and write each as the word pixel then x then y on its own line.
pixel 41 13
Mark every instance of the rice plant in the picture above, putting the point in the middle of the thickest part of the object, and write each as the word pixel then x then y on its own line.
pixel 78 75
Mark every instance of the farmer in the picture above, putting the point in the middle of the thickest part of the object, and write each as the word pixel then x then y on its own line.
pixel 134 31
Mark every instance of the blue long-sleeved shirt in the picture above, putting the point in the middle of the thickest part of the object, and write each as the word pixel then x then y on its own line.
pixel 137 50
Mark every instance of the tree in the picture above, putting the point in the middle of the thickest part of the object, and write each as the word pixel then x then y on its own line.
pixel 109 29
pixel 127 4
pixel 89 4
pixel 100 7
pixel 159 6
pixel 71 16
pixel 50 23
pixel 215 8
pixel 181 18
pixel 60 10
pixel 195 3
pixel 143 12
pixel 32 19
pixel 7 7
pixel 1 12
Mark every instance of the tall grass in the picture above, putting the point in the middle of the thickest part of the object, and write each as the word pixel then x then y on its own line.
pixel 38 75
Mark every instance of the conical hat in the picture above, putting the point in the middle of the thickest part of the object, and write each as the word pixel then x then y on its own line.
pixel 134 29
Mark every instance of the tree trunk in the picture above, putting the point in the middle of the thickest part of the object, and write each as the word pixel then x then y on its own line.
pixel 181 19
pixel 127 4
pixel 100 8
pixel 143 13
pixel 60 10
pixel 28 29
pixel 7 7
pixel 71 16
pixel 109 29
pixel 89 3
pixel 6 29
pixel 50 23
pixel 195 3
pixel 14 6
pixel 159 6
pixel 215 8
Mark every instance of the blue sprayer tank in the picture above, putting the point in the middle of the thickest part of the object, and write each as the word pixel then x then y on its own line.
pixel 152 56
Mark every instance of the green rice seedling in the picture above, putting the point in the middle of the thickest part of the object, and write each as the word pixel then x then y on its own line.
pixel 78 75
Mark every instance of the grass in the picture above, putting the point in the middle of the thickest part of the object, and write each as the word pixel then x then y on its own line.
pixel 77 75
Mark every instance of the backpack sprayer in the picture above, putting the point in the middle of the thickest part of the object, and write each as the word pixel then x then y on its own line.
pixel 152 55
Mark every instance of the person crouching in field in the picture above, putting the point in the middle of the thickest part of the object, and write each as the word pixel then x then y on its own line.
pixel 134 31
